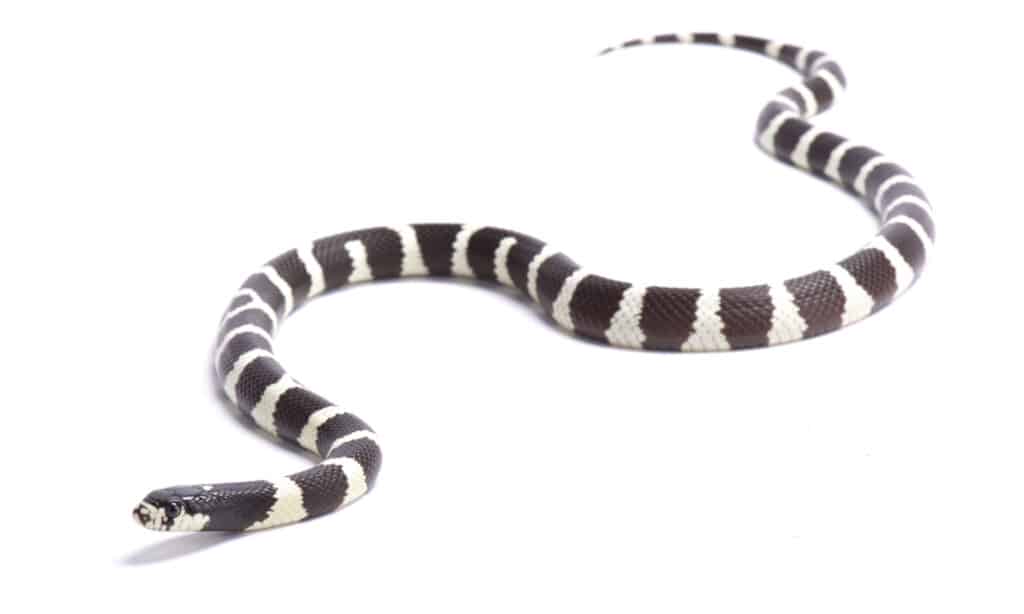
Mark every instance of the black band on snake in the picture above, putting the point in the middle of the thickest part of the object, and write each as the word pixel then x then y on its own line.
pixel 615 312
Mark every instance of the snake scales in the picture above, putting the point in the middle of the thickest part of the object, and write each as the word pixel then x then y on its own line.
pixel 617 313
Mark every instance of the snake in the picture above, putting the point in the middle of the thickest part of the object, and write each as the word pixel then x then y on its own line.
pixel 587 304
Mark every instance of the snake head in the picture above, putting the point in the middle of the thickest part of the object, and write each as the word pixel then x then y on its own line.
pixel 172 509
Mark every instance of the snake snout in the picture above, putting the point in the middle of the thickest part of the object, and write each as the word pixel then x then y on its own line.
pixel 150 515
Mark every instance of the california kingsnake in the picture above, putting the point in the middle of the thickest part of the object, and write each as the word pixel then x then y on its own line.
pixel 611 311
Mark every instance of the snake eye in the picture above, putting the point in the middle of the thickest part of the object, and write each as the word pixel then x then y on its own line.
pixel 173 509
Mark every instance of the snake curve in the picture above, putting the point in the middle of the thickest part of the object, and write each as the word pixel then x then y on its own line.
pixel 617 313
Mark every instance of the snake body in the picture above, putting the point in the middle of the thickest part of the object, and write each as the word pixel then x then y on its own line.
pixel 614 312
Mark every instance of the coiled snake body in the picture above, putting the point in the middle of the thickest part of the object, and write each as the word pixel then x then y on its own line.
pixel 617 313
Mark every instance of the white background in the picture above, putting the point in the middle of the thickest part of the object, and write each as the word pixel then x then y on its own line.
pixel 153 154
